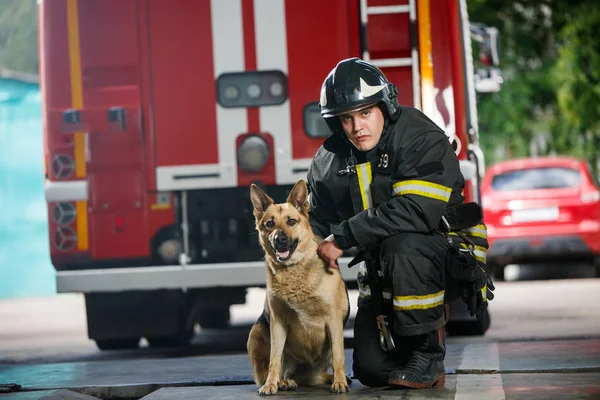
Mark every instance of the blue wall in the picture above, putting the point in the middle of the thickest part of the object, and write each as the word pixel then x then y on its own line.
pixel 25 268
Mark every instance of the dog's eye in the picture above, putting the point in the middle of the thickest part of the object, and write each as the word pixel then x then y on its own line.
pixel 291 222
pixel 270 224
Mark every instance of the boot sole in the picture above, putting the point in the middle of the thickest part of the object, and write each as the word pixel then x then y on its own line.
pixel 437 382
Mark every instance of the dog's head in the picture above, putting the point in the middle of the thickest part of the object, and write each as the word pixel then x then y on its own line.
pixel 283 228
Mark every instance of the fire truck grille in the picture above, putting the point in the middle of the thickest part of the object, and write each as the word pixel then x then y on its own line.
pixel 222 226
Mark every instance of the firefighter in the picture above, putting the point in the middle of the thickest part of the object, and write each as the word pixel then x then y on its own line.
pixel 381 183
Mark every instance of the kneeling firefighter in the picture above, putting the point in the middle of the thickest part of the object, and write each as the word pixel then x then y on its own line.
pixel 388 182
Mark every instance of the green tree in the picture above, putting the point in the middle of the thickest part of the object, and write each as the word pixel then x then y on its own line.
pixel 548 53
pixel 508 118
pixel 19 35
pixel 577 78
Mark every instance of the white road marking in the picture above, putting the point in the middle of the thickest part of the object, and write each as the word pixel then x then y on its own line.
pixel 486 385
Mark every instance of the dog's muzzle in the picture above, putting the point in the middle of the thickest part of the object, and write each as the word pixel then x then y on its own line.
pixel 283 245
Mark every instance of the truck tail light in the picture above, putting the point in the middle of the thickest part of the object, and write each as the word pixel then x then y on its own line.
pixel 64 239
pixel 64 213
pixel 63 166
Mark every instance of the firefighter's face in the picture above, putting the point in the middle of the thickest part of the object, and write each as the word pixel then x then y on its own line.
pixel 363 127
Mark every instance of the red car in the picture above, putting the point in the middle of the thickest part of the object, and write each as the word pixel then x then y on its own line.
pixel 541 209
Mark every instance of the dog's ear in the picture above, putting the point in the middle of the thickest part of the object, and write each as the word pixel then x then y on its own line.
pixel 260 200
pixel 298 196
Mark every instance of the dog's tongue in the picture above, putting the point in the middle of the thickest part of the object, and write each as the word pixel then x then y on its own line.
pixel 283 254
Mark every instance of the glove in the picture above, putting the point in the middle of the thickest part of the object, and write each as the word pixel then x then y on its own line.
pixel 478 292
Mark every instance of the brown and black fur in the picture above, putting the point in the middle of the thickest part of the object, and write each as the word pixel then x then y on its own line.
pixel 301 331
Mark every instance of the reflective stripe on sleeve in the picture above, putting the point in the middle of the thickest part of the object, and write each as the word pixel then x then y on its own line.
pixel 484 292
pixel 423 188
pixel 476 231
pixel 479 252
pixel 418 302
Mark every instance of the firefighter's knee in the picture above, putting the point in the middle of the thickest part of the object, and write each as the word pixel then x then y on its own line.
pixel 408 252
pixel 370 374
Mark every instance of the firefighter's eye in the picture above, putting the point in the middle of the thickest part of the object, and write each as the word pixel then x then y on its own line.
pixel 270 224
pixel 291 222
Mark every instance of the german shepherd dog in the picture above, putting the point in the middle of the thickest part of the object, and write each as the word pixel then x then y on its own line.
pixel 300 333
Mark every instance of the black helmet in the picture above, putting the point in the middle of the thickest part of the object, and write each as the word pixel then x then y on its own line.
pixel 355 84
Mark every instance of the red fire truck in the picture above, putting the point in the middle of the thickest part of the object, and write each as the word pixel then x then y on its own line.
pixel 158 115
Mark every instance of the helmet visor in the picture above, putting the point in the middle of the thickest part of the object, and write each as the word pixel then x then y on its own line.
pixel 337 113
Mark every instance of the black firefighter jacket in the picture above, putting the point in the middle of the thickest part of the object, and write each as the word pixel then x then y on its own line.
pixel 404 184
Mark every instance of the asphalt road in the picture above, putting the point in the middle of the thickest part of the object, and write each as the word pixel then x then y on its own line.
pixel 542 327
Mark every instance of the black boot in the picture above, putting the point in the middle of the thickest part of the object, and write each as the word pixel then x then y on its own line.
pixel 425 368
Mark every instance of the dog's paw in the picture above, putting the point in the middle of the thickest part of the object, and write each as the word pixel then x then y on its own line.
pixel 287 384
pixel 327 377
pixel 267 389
pixel 340 387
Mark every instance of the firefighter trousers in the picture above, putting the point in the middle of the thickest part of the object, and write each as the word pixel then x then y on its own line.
pixel 414 268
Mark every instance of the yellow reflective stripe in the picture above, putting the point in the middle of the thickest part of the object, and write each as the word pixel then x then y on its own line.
pixel 479 252
pixel 477 231
pixel 484 292
pixel 363 172
pixel 423 188
pixel 419 302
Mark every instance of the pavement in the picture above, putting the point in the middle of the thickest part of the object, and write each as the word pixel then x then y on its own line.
pixel 544 344
pixel 519 370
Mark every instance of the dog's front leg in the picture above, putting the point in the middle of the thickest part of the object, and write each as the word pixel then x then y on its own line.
pixel 278 336
pixel 336 332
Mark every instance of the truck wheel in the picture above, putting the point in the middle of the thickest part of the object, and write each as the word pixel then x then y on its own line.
pixel 214 318
pixel 469 328
pixel 117 344
pixel 498 272
pixel 179 340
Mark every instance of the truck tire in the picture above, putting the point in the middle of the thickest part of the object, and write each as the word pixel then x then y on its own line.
pixel 180 340
pixel 117 344
pixel 497 272
pixel 214 318
pixel 469 328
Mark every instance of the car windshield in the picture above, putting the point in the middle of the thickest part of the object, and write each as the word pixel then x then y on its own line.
pixel 536 178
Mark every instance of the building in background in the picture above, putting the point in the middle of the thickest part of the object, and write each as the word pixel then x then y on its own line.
pixel 25 268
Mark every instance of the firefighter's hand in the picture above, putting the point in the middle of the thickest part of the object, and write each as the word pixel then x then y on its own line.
pixel 478 293
pixel 329 251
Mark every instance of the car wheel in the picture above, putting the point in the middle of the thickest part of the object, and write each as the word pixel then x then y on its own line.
pixel 497 272
pixel 180 340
